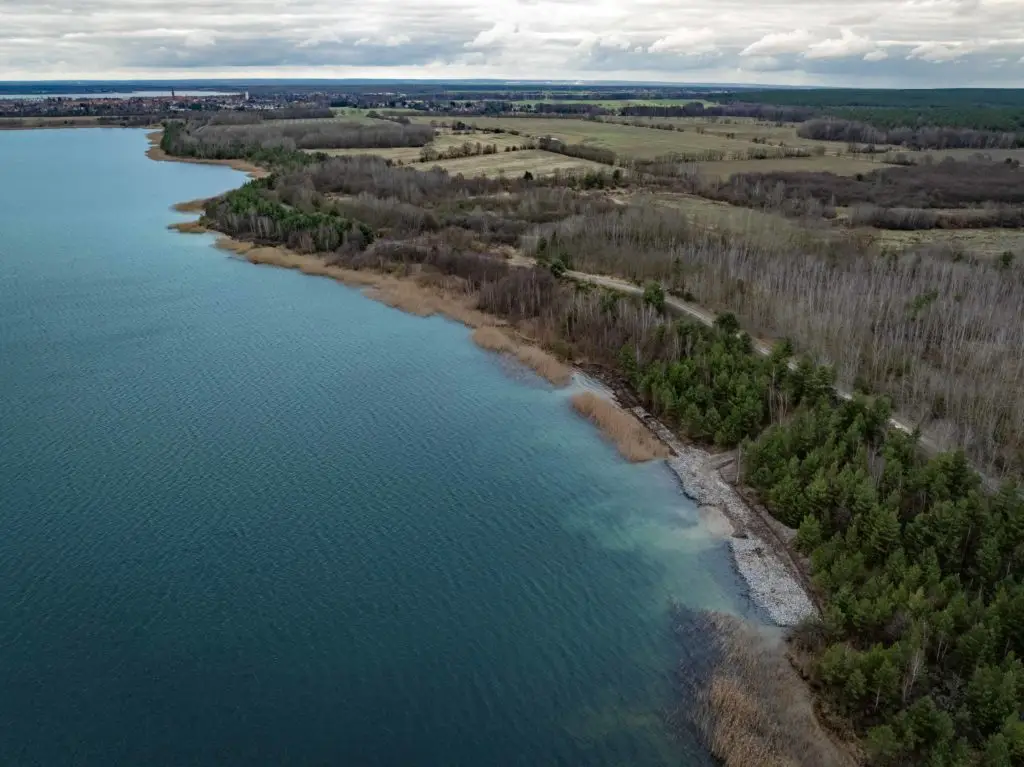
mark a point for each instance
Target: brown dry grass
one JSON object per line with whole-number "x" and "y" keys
{"x": 846, "y": 165}
{"x": 190, "y": 206}
{"x": 538, "y": 360}
{"x": 625, "y": 140}
{"x": 442, "y": 141}
{"x": 536, "y": 161}
{"x": 755, "y": 709}
{"x": 987, "y": 242}
{"x": 189, "y": 227}
{"x": 631, "y": 437}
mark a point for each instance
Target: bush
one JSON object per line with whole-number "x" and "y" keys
{"x": 654, "y": 296}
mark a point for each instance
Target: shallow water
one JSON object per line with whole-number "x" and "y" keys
{"x": 248, "y": 516}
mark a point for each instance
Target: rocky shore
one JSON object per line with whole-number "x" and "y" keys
{"x": 758, "y": 548}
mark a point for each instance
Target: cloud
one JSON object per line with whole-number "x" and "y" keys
{"x": 389, "y": 41}
{"x": 201, "y": 38}
{"x": 938, "y": 53}
{"x": 499, "y": 33}
{"x": 775, "y": 43}
{"x": 686, "y": 42}
{"x": 847, "y": 44}
{"x": 800, "y": 42}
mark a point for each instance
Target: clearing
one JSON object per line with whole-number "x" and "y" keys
{"x": 846, "y": 165}
{"x": 536, "y": 161}
{"x": 625, "y": 140}
{"x": 443, "y": 142}
{"x": 985, "y": 242}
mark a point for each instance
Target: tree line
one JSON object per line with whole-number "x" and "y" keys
{"x": 966, "y": 184}
{"x": 912, "y": 136}
{"x": 232, "y": 141}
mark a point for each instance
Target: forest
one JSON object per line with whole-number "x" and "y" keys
{"x": 914, "y": 135}
{"x": 272, "y": 141}
{"x": 917, "y": 556}
{"x": 946, "y": 184}
{"x": 999, "y": 110}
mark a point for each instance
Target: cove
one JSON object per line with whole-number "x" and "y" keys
{"x": 253, "y": 517}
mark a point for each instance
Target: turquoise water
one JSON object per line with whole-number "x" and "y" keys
{"x": 252, "y": 517}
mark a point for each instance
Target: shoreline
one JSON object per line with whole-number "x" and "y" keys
{"x": 159, "y": 155}
{"x": 759, "y": 544}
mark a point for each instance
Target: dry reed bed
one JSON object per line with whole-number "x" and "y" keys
{"x": 754, "y": 709}
{"x": 632, "y": 438}
{"x": 496, "y": 340}
{"x": 190, "y": 206}
{"x": 189, "y": 227}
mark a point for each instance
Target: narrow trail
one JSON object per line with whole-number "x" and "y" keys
{"x": 708, "y": 318}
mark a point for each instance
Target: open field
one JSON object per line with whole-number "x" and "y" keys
{"x": 846, "y": 165}
{"x": 631, "y": 141}
{"x": 742, "y": 128}
{"x": 745, "y": 129}
{"x": 721, "y": 215}
{"x": 625, "y": 140}
{"x": 537, "y": 162}
{"x": 999, "y": 155}
{"x": 360, "y": 115}
{"x": 443, "y": 141}
{"x": 982, "y": 242}
{"x": 404, "y": 154}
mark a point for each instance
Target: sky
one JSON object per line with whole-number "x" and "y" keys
{"x": 869, "y": 43}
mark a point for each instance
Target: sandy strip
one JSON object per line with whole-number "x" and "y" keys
{"x": 156, "y": 153}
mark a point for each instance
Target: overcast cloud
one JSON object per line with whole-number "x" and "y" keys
{"x": 917, "y": 43}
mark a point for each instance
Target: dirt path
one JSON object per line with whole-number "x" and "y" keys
{"x": 764, "y": 348}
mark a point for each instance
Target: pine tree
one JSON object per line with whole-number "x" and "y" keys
{"x": 997, "y": 752}
{"x": 883, "y": 530}
{"x": 809, "y": 536}
{"x": 818, "y": 494}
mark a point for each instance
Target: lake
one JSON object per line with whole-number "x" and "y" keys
{"x": 253, "y": 517}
